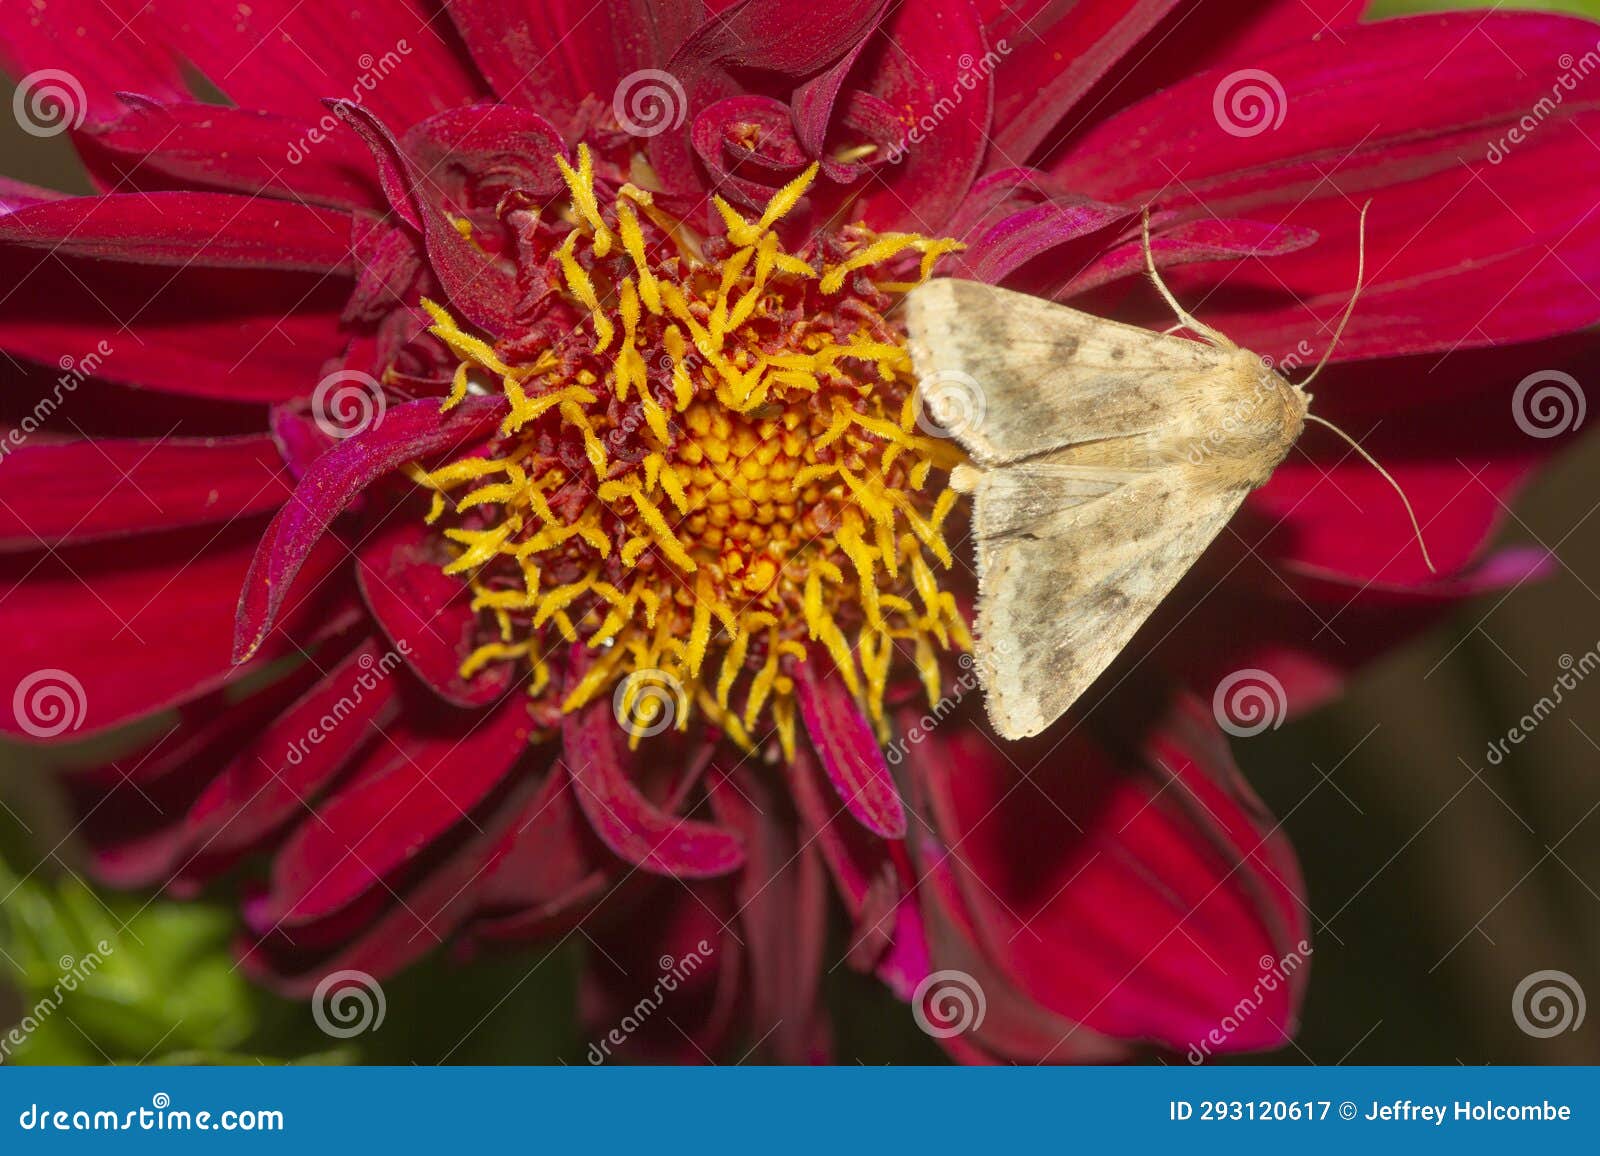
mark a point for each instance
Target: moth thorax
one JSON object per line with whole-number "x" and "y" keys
{"x": 1255, "y": 421}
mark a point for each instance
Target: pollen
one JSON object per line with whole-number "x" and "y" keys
{"x": 710, "y": 468}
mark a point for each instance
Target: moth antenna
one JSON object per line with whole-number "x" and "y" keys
{"x": 1361, "y": 272}
{"x": 1189, "y": 321}
{"x": 1388, "y": 477}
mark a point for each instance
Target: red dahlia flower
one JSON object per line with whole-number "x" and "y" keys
{"x": 534, "y": 371}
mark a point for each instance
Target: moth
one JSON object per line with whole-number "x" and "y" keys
{"x": 1104, "y": 459}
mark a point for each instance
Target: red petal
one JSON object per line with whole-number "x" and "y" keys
{"x": 1426, "y": 155}
{"x": 140, "y": 630}
{"x": 917, "y": 62}
{"x": 243, "y": 150}
{"x": 413, "y": 786}
{"x": 395, "y": 56}
{"x": 1011, "y": 1025}
{"x": 849, "y": 751}
{"x": 874, "y": 878}
{"x": 553, "y": 863}
{"x": 1451, "y": 435}
{"x": 103, "y": 46}
{"x": 418, "y": 920}
{"x": 551, "y": 56}
{"x": 86, "y": 490}
{"x": 426, "y": 613}
{"x": 782, "y": 913}
{"x": 1310, "y": 633}
{"x": 216, "y": 230}
{"x": 133, "y": 806}
{"x": 201, "y": 332}
{"x": 1143, "y": 901}
{"x": 1054, "y": 53}
{"x": 336, "y": 479}
{"x": 1018, "y": 238}
{"x": 284, "y": 766}
{"x": 629, "y": 823}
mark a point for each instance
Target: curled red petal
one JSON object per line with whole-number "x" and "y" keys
{"x": 426, "y": 613}
{"x": 336, "y": 479}
{"x": 628, "y": 822}
{"x": 849, "y": 751}
{"x": 400, "y": 928}
{"x": 476, "y": 284}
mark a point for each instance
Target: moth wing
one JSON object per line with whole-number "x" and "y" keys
{"x": 1023, "y": 376}
{"x": 1073, "y": 559}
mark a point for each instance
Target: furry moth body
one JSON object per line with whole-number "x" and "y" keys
{"x": 1105, "y": 459}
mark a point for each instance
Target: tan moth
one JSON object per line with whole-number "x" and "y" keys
{"x": 1104, "y": 460}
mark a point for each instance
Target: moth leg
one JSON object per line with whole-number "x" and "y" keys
{"x": 1186, "y": 320}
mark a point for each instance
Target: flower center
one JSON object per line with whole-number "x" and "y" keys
{"x": 711, "y": 464}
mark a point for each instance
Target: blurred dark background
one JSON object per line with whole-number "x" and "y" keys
{"x": 1437, "y": 882}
